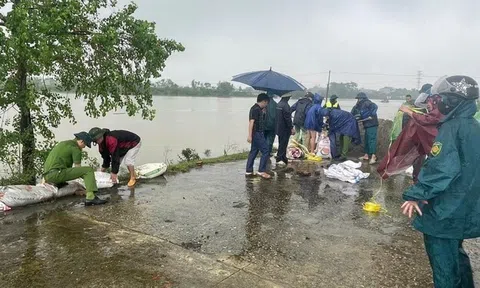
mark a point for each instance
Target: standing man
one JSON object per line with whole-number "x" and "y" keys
{"x": 256, "y": 128}
{"x": 332, "y": 103}
{"x": 284, "y": 129}
{"x": 300, "y": 108}
{"x": 271, "y": 123}
{"x": 365, "y": 111}
{"x": 408, "y": 103}
{"x": 58, "y": 166}
{"x": 115, "y": 147}
{"x": 446, "y": 196}
{"x": 408, "y": 100}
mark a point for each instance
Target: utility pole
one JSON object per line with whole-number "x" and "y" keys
{"x": 419, "y": 79}
{"x": 328, "y": 84}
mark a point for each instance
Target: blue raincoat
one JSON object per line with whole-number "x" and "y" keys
{"x": 313, "y": 120}
{"x": 343, "y": 123}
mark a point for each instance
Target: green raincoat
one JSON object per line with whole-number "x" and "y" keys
{"x": 450, "y": 179}
{"x": 450, "y": 182}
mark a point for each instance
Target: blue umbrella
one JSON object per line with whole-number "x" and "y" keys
{"x": 270, "y": 81}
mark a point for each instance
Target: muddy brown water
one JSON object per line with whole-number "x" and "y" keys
{"x": 201, "y": 123}
{"x": 213, "y": 227}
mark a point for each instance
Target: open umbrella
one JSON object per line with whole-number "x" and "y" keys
{"x": 269, "y": 81}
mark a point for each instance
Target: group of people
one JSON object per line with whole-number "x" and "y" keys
{"x": 64, "y": 162}
{"x": 440, "y": 138}
{"x": 268, "y": 119}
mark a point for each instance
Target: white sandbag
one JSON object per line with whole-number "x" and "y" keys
{"x": 409, "y": 171}
{"x": 4, "y": 207}
{"x": 22, "y": 195}
{"x": 103, "y": 180}
{"x": 150, "y": 170}
{"x": 294, "y": 153}
{"x": 70, "y": 189}
{"x": 346, "y": 171}
{"x": 323, "y": 147}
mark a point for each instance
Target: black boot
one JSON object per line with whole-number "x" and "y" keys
{"x": 95, "y": 201}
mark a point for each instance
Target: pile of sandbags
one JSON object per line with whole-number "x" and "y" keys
{"x": 22, "y": 195}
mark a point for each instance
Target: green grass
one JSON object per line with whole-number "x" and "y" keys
{"x": 186, "y": 166}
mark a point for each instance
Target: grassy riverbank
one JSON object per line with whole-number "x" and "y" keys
{"x": 186, "y": 166}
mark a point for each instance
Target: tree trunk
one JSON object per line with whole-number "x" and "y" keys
{"x": 26, "y": 128}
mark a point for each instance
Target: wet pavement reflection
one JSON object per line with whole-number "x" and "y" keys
{"x": 214, "y": 227}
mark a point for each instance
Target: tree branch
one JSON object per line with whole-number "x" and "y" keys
{"x": 3, "y": 20}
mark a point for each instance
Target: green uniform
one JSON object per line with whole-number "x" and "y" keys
{"x": 302, "y": 136}
{"x": 344, "y": 145}
{"x": 449, "y": 181}
{"x": 58, "y": 167}
{"x": 370, "y": 147}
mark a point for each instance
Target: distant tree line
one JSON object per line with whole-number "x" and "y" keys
{"x": 349, "y": 90}
{"x": 167, "y": 87}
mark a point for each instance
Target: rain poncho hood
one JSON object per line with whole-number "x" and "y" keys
{"x": 343, "y": 123}
{"x": 449, "y": 179}
{"x": 313, "y": 119}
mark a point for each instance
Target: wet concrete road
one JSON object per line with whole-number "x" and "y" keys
{"x": 215, "y": 228}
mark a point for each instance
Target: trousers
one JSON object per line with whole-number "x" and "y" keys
{"x": 270, "y": 138}
{"x": 259, "y": 144}
{"x": 450, "y": 264}
{"x": 283, "y": 139}
{"x": 64, "y": 175}
{"x": 302, "y": 136}
{"x": 371, "y": 140}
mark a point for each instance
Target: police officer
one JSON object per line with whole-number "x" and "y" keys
{"x": 446, "y": 196}
{"x": 332, "y": 103}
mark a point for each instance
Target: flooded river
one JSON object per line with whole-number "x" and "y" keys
{"x": 200, "y": 123}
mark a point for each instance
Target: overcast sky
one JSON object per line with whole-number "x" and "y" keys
{"x": 305, "y": 38}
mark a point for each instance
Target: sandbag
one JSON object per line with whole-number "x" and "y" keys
{"x": 294, "y": 153}
{"x": 68, "y": 190}
{"x": 22, "y": 195}
{"x": 409, "y": 171}
{"x": 102, "y": 178}
{"x": 323, "y": 146}
{"x": 4, "y": 207}
{"x": 346, "y": 171}
{"x": 150, "y": 170}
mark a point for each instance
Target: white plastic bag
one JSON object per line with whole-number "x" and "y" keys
{"x": 22, "y": 195}
{"x": 150, "y": 170}
{"x": 102, "y": 178}
{"x": 409, "y": 171}
{"x": 346, "y": 171}
{"x": 323, "y": 146}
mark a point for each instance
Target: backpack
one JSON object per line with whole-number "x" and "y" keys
{"x": 301, "y": 111}
{"x": 270, "y": 119}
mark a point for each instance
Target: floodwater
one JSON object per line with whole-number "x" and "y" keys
{"x": 213, "y": 227}
{"x": 201, "y": 123}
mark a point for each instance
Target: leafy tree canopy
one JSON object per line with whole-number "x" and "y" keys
{"x": 107, "y": 61}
